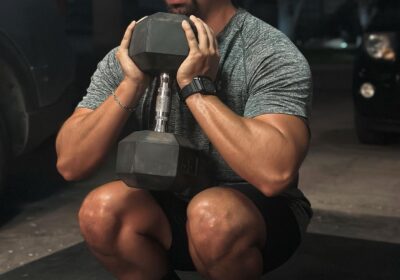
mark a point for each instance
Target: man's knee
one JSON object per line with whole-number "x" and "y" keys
{"x": 222, "y": 221}
{"x": 105, "y": 211}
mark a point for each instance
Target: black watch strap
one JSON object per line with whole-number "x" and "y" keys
{"x": 199, "y": 84}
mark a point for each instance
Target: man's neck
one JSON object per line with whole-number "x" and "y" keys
{"x": 218, "y": 16}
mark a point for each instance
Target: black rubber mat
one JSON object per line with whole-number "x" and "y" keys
{"x": 320, "y": 257}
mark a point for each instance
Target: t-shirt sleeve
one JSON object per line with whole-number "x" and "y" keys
{"x": 280, "y": 83}
{"x": 104, "y": 81}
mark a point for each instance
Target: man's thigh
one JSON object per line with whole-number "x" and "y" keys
{"x": 282, "y": 230}
{"x": 283, "y": 235}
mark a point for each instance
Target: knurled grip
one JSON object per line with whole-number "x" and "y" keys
{"x": 163, "y": 103}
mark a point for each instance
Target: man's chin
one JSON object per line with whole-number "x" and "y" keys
{"x": 179, "y": 10}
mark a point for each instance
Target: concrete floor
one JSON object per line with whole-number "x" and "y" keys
{"x": 354, "y": 189}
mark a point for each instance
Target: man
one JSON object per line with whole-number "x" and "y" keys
{"x": 255, "y": 131}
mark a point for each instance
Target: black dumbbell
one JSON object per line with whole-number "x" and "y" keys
{"x": 159, "y": 43}
{"x": 158, "y": 160}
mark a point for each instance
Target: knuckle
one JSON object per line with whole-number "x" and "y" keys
{"x": 210, "y": 53}
{"x": 191, "y": 36}
{"x": 197, "y": 55}
{"x": 192, "y": 54}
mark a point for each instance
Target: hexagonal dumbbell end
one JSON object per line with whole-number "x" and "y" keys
{"x": 160, "y": 161}
{"x": 159, "y": 43}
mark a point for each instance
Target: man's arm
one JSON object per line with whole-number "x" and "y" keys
{"x": 86, "y": 137}
{"x": 267, "y": 150}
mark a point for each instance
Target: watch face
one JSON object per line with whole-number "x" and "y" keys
{"x": 200, "y": 84}
{"x": 207, "y": 85}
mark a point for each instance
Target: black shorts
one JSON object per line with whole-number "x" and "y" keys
{"x": 283, "y": 235}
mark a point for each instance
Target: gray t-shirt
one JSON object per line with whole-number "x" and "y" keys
{"x": 260, "y": 72}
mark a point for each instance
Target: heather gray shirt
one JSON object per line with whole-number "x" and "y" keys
{"x": 260, "y": 72}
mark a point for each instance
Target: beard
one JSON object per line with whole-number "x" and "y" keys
{"x": 184, "y": 9}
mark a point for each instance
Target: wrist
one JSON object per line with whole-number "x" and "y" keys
{"x": 127, "y": 94}
{"x": 183, "y": 83}
{"x": 199, "y": 85}
{"x": 192, "y": 98}
{"x": 199, "y": 100}
{"x": 133, "y": 85}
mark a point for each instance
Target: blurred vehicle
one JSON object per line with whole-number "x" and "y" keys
{"x": 376, "y": 87}
{"x": 37, "y": 69}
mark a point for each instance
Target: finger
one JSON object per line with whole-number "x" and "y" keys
{"x": 191, "y": 38}
{"x": 141, "y": 19}
{"x": 201, "y": 33}
{"x": 211, "y": 38}
{"x": 214, "y": 41}
{"x": 127, "y": 36}
{"x": 216, "y": 47}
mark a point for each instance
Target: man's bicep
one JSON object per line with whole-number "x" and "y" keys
{"x": 293, "y": 128}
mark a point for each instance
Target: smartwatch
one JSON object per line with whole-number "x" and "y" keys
{"x": 199, "y": 84}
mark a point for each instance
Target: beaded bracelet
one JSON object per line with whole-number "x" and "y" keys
{"x": 126, "y": 108}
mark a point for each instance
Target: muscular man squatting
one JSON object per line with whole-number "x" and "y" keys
{"x": 255, "y": 131}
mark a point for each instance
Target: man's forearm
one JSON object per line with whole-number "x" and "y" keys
{"x": 257, "y": 151}
{"x": 87, "y": 136}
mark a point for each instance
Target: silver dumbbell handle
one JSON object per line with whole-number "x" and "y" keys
{"x": 163, "y": 103}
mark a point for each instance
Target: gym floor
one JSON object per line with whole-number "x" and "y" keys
{"x": 354, "y": 189}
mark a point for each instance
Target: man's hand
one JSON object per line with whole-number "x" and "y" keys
{"x": 203, "y": 58}
{"x": 133, "y": 75}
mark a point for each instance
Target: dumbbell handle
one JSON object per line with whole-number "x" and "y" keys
{"x": 163, "y": 103}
